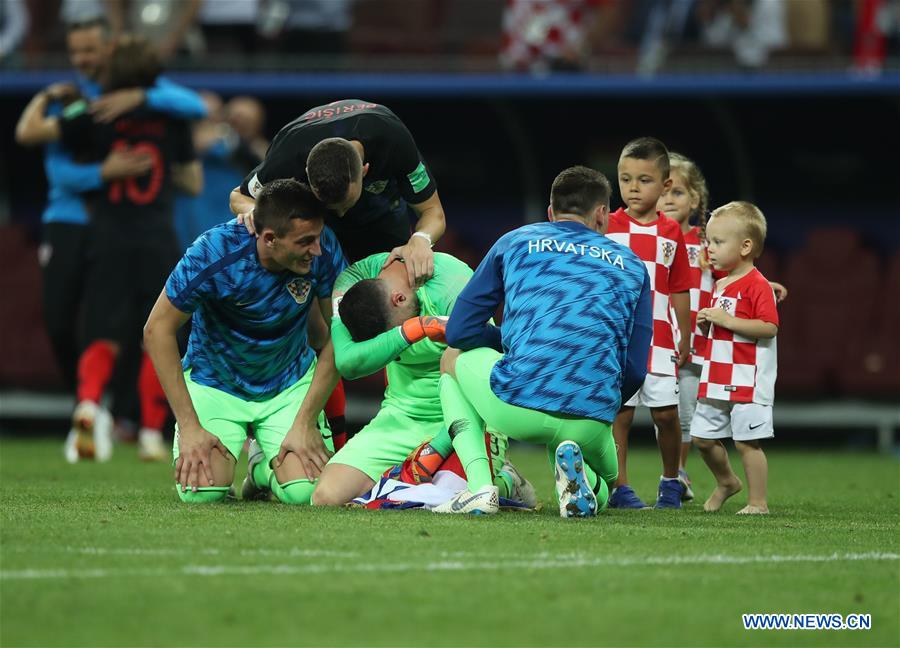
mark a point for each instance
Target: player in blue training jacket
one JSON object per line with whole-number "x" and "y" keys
{"x": 574, "y": 340}
{"x": 249, "y": 361}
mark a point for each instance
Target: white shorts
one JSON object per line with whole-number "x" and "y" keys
{"x": 718, "y": 419}
{"x": 657, "y": 391}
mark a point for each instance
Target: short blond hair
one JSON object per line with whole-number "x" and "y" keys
{"x": 751, "y": 218}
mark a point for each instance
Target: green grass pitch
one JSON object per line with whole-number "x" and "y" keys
{"x": 105, "y": 555}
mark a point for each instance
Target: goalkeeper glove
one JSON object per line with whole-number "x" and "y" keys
{"x": 419, "y": 328}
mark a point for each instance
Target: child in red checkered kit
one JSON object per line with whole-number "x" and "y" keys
{"x": 643, "y": 172}
{"x": 686, "y": 202}
{"x": 737, "y": 384}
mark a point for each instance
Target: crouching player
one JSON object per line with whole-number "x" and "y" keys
{"x": 248, "y": 360}
{"x": 737, "y": 384}
{"x": 382, "y": 322}
{"x": 574, "y": 340}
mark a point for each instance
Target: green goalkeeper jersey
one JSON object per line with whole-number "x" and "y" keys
{"x": 413, "y": 370}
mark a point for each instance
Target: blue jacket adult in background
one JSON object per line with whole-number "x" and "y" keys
{"x": 64, "y": 250}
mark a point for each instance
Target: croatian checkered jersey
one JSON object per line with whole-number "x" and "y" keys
{"x": 537, "y": 33}
{"x": 660, "y": 245}
{"x": 702, "y": 282}
{"x": 248, "y": 328}
{"x": 737, "y": 368}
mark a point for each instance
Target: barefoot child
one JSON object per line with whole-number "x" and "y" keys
{"x": 737, "y": 383}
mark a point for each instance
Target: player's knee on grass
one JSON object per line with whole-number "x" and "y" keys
{"x": 203, "y": 495}
{"x": 340, "y": 483}
{"x": 298, "y": 492}
{"x": 326, "y": 495}
{"x": 290, "y": 470}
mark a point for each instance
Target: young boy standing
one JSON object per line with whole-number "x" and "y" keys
{"x": 737, "y": 385}
{"x": 643, "y": 177}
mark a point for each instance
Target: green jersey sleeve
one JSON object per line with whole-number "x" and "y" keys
{"x": 357, "y": 359}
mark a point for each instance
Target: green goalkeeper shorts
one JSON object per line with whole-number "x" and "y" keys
{"x": 228, "y": 417}
{"x": 473, "y": 373}
{"x": 386, "y": 441}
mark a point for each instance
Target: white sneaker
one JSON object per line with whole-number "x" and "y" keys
{"x": 93, "y": 426}
{"x": 522, "y": 490}
{"x": 685, "y": 481}
{"x": 485, "y": 502}
{"x": 249, "y": 489}
{"x": 103, "y": 434}
{"x": 151, "y": 446}
{"x": 70, "y": 448}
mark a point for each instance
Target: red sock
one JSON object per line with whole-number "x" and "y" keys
{"x": 154, "y": 407}
{"x": 95, "y": 367}
{"x": 335, "y": 410}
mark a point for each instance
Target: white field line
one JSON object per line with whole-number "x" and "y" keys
{"x": 294, "y": 552}
{"x": 539, "y": 562}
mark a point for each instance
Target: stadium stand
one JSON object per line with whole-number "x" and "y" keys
{"x": 817, "y": 324}
{"x": 871, "y": 360}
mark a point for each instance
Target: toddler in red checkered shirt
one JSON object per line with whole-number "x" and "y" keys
{"x": 737, "y": 383}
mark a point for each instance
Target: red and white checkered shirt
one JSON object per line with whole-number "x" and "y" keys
{"x": 702, "y": 283}
{"x": 737, "y": 368}
{"x": 537, "y": 33}
{"x": 660, "y": 245}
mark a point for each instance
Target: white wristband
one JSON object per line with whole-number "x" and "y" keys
{"x": 426, "y": 236}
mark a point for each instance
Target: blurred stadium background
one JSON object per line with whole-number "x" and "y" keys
{"x": 793, "y": 104}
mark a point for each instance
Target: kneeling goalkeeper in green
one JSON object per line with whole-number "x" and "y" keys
{"x": 249, "y": 362}
{"x": 382, "y": 322}
{"x": 574, "y": 341}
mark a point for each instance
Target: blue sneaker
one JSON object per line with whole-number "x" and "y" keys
{"x": 670, "y": 493}
{"x": 685, "y": 480}
{"x": 624, "y": 497}
{"x": 576, "y": 498}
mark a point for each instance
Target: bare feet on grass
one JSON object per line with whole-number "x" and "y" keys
{"x": 754, "y": 510}
{"x": 722, "y": 493}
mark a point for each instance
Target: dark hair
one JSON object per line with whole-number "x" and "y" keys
{"x": 578, "y": 190}
{"x": 89, "y": 23}
{"x": 649, "y": 148}
{"x": 133, "y": 63}
{"x": 280, "y": 201}
{"x": 331, "y": 166}
{"x": 364, "y": 309}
